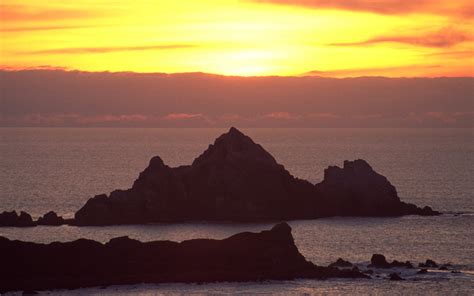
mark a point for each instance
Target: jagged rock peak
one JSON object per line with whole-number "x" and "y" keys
{"x": 155, "y": 165}
{"x": 282, "y": 228}
{"x": 354, "y": 167}
{"x": 156, "y": 161}
{"x": 357, "y": 164}
{"x": 235, "y": 146}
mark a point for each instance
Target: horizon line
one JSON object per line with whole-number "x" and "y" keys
{"x": 68, "y": 70}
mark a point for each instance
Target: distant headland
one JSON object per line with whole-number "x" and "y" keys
{"x": 236, "y": 179}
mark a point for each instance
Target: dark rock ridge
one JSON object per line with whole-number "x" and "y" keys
{"x": 235, "y": 179}
{"x": 246, "y": 256}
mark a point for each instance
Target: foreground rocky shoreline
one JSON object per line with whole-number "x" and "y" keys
{"x": 236, "y": 179}
{"x": 268, "y": 255}
{"x": 246, "y": 256}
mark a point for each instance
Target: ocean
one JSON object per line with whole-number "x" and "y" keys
{"x": 58, "y": 169}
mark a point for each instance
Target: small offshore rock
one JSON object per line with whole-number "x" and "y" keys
{"x": 378, "y": 260}
{"x": 422, "y": 271}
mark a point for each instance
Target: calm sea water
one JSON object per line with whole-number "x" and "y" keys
{"x": 60, "y": 168}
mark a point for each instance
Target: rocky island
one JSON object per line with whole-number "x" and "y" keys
{"x": 236, "y": 179}
{"x": 246, "y": 256}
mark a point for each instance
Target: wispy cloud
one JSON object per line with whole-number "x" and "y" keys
{"x": 280, "y": 115}
{"x": 14, "y": 13}
{"x": 446, "y": 118}
{"x": 43, "y": 28}
{"x": 375, "y": 71}
{"x": 445, "y": 37}
{"x": 325, "y": 115}
{"x": 462, "y": 8}
{"x": 128, "y": 118}
{"x": 82, "y": 50}
{"x": 454, "y": 54}
{"x": 39, "y": 67}
{"x": 181, "y": 116}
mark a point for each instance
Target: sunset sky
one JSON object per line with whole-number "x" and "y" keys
{"x": 335, "y": 38}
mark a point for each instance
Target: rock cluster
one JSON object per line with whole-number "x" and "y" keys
{"x": 246, "y": 256}
{"x": 12, "y": 219}
{"x": 379, "y": 261}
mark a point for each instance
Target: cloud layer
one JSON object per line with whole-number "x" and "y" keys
{"x": 62, "y": 98}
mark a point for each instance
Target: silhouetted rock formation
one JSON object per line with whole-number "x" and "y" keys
{"x": 51, "y": 219}
{"x": 236, "y": 179}
{"x": 245, "y": 256}
{"x": 14, "y": 220}
{"x": 379, "y": 261}
{"x": 357, "y": 190}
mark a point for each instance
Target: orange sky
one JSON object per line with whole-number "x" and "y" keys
{"x": 250, "y": 37}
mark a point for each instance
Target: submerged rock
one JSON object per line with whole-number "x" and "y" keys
{"x": 236, "y": 179}
{"x": 395, "y": 277}
{"x": 246, "y": 256}
{"x": 445, "y": 266}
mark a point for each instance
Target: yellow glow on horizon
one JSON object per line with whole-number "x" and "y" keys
{"x": 232, "y": 38}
